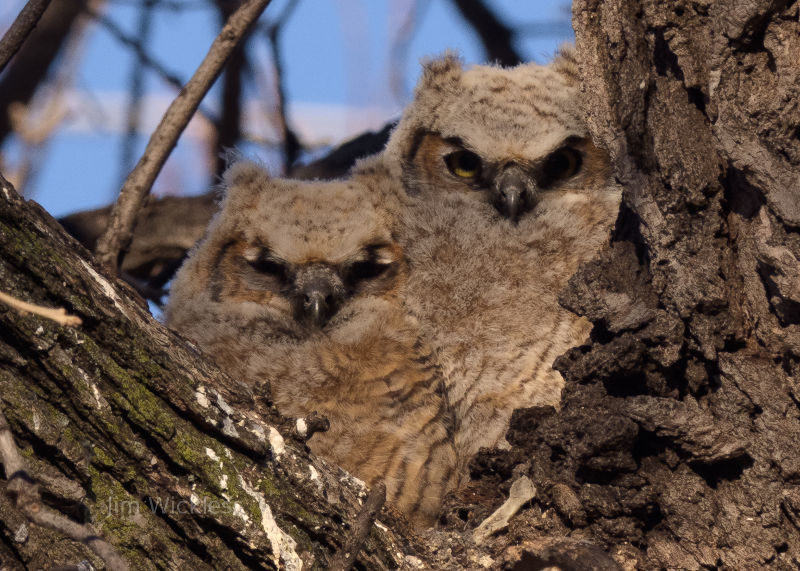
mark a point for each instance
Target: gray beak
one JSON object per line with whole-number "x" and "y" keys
{"x": 514, "y": 193}
{"x": 319, "y": 295}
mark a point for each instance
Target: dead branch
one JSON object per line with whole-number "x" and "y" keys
{"x": 229, "y": 128}
{"x": 28, "y": 500}
{"x": 59, "y": 315}
{"x": 117, "y": 236}
{"x": 291, "y": 144}
{"x": 30, "y": 66}
{"x": 497, "y": 38}
{"x": 23, "y": 25}
{"x": 346, "y": 556}
{"x": 145, "y": 59}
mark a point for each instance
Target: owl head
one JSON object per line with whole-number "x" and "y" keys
{"x": 294, "y": 253}
{"x": 505, "y": 136}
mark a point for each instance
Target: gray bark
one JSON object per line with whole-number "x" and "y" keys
{"x": 126, "y": 427}
{"x": 676, "y": 443}
{"x": 676, "y": 446}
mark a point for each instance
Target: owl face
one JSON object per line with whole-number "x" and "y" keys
{"x": 315, "y": 288}
{"x": 509, "y": 137}
{"x": 298, "y": 251}
{"x": 514, "y": 185}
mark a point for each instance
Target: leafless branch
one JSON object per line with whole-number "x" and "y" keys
{"x": 30, "y": 66}
{"x": 399, "y": 48}
{"x": 496, "y": 36}
{"x": 291, "y": 144}
{"x": 118, "y": 235}
{"x": 20, "y": 29}
{"x": 58, "y": 315}
{"x": 136, "y": 91}
{"x": 346, "y": 556}
{"x": 229, "y": 128}
{"x": 29, "y": 502}
{"x": 145, "y": 59}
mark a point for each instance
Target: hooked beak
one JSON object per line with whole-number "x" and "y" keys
{"x": 514, "y": 193}
{"x": 319, "y": 296}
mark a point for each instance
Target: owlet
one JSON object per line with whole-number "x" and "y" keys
{"x": 507, "y": 195}
{"x": 297, "y": 284}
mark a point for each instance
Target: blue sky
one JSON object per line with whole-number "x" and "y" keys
{"x": 340, "y": 78}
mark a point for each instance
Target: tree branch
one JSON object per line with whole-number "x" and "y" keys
{"x": 497, "y": 38}
{"x": 23, "y": 76}
{"x": 118, "y": 235}
{"x": 29, "y": 501}
{"x": 229, "y": 128}
{"x": 20, "y": 29}
{"x": 58, "y": 315}
{"x": 291, "y": 144}
{"x": 136, "y": 92}
{"x": 145, "y": 59}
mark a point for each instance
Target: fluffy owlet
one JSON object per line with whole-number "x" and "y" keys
{"x": 297, "y": 284}
{"x": 507, "y": 195}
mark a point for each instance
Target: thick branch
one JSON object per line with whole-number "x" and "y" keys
{"x": 125, "y": 425}
{"x": 29, "y": 501}
{"x": 123, "y": 216}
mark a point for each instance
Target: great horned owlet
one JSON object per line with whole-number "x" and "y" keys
{"x": 297, "y": 284}
{"x": 507, "y": 195}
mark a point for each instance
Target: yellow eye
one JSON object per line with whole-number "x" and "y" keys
{"x": 463, "y": 164}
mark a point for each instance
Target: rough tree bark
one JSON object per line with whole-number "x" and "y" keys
{"x": 677, "y": 443}
{"x": 127, "y": 427}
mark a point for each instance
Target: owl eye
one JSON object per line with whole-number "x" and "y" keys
{"x": 562, "y": 164}
{"x": 261, "y": 260}
{"x": 366, "y": 270}
{"x": 463, "y": 164}
{"x": 376, "y": 262}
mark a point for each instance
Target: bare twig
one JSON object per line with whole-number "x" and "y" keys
{"x": 59, "y": 315}
{"x": 29, "y": 502}
{"x": 399, "y": 48}
{"x": 118, "y": 235}
{"x": 24, "y": 74}
{"x": 229, "y": 128}
{"x": 522, "y": 491}
{"x": 20, "y": 29}
{"x": 291, "y": 144}
{"x": 497, "y": 38}
{"x": 136, "y": 91}
{"x": 144, "y": 58}
{"x": 345, "y": 557}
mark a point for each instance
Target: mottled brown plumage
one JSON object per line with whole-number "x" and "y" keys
{"x": 507, "y": 195}
{"x": 297, "y": 284}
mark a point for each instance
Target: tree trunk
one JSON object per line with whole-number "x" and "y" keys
{"x": 126, "y": 427}
{"x": 677, "y": 443}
